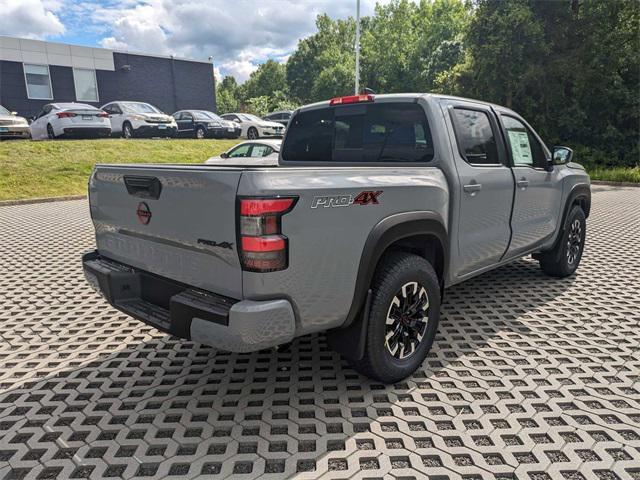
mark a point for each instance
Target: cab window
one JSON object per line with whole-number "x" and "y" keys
{"x": 523, "y": 145}
{"x": 475, "y": 135}
{"x": 366, "y": 132}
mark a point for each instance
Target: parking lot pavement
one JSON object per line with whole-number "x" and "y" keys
{"x": 530, "y": 377}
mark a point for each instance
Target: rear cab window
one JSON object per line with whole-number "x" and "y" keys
{"x": 475, "y": 136}
{"x": 385, "y": 132}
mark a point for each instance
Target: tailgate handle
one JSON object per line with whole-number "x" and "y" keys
{"x": 143, "y": 187}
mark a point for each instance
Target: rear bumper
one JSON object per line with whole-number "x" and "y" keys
{"x": 86, "y": 131}
{"x": 203, "y": 317}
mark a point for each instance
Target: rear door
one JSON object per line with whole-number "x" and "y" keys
{"x": 171, "y": 220}
{"x": 185, "y": 124}
{"x": 538, "y": 193}
{"x": 486, "y": 187}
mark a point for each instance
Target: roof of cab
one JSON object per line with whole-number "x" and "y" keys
{"x": 404, "y": 96}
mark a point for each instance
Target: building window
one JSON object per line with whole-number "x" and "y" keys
{"x": 38, "y": 82}
{"x": 86, "y": 85}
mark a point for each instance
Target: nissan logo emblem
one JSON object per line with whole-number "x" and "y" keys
{"x": 144, "y": 213}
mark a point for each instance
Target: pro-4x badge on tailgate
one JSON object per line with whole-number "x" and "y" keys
{"x": 363, "y": 198}
{"x": 144, "y": 213}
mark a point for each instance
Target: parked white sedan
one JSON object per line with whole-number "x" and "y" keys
{"x": 70, "y": 120}
{"x": 255, "y": 127}
{"x": 256, "y": 152}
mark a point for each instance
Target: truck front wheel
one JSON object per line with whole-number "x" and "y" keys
{"x": 563, "y": 259}
{"x": 403, "y": 318}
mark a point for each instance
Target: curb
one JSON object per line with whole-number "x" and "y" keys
{"x": 615, "y": 184}
{"x": 27, "y": 201}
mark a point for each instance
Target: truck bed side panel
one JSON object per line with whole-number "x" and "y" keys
{"x": 326, "y": 242}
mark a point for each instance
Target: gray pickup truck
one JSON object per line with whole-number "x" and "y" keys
{"x": 376, "y": 204}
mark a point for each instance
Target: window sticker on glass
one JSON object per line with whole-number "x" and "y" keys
{"x": 520, "y": 148}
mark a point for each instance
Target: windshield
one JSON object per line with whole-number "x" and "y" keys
{"x": 140, "y": 107}
{"x": 371, "y": 132}
{"x": 206, "y": 115}
{"x": 249, "y": 117}
{"x": 4, "y": 111}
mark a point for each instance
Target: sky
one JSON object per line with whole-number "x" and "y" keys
{"x": 238, "y": 34}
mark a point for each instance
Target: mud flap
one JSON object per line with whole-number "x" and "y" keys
{"x": 350, "y": 342}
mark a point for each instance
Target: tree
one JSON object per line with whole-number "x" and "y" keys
{"x": 227, "y": 95}
{"x": 269, "y": 78}
{"x": 328, "y": 50}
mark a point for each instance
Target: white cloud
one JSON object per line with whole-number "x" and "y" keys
{"x": 240, "y": 69}
{"x": 238, "y": 34}
{"x": 30, "y": 18}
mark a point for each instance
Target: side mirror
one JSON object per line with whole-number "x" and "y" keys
{"x": 14, "y": 113}
{"x": 562, "y": 155}
{"x": 223, "y": 155}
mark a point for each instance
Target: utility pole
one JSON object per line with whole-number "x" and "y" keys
{"x": 357, "y": 90}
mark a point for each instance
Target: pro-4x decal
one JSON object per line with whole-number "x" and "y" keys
{"x": 368, "y": 197}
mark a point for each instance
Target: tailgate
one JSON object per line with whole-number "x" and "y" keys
{"x": 175, "y": 221}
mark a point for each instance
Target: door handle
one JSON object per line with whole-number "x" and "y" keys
{"x": 472, "y": 188}
{"x": 522, "y": 183}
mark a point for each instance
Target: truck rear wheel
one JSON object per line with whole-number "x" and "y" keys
{"x": 564, "y": 258}
{"x": 403, "y": 318}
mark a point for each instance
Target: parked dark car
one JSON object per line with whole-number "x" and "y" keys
{"x": 204, "y": 124}
{"x": 282, "y": 117}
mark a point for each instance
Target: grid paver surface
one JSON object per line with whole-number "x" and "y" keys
{"x": 530, "y": 377}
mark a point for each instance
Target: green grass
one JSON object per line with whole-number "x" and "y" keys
{"x": 30, "y": 169}
{"x": 59, "y": 168}
{"x": 615, "y": 174}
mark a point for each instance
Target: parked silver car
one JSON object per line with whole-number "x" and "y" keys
{"x": 255, "y": 152}
{"x": 12, "y": 126}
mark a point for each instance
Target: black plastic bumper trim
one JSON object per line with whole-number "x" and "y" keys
{"x": 124, "y": 286}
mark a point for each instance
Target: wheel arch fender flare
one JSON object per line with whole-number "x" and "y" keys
{"x": 580, "y": 193}
{"x": 350, "y": 337}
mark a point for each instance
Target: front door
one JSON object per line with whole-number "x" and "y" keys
{"x": 486, "y": 188}
{"x": 116, "y": 118}
{"x": 536, "y": 207}
{"x": 39, "y": 125}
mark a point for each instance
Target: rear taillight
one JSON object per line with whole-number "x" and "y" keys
{"x": 65, "y": 114}
{"x": 103, "y": 115}
{"x": 263, "y": 248}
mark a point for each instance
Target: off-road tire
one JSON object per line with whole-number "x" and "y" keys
{"x": 395, "y": 270}
{"x": 561, "y": 261}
